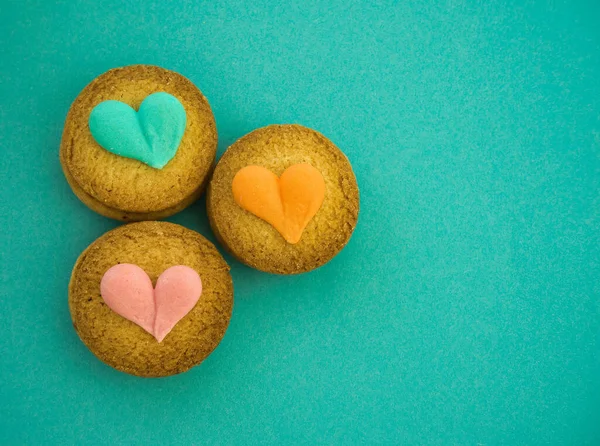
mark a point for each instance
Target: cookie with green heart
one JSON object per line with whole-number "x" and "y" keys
{"x": 151, "y": 298}
{"x": 283, "y": 199}
{"x": 139, "y": 143}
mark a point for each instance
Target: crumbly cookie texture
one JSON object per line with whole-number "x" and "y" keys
{"x": 124, "y": 188}
{"x": 154, "y": 246}
{"x": 254, "y": 241}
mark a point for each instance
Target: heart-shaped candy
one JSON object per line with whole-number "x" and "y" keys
{"x": 151, "y": 135}
{"x": 288, "y": 203}
{"x": 128, "y": 291}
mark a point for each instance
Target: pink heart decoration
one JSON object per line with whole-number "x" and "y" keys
{"x": 128, "y": 291}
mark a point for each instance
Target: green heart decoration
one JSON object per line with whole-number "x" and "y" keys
{"x": 151, "y": 135}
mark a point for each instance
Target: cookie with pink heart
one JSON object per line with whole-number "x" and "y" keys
{"x": 151, "y": 298}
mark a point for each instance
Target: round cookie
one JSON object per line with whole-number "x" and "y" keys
{"x": 124, "y": 188}
{"x": 154, "y": 247}
{"x": 271, "y": 151}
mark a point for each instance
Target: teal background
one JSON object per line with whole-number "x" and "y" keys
{"x": 464, "y": 311}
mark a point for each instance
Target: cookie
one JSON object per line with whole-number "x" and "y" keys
{"x": 151, "y": 298}
{"x": 139, "y": 143}
{"x": 283, "y": 199}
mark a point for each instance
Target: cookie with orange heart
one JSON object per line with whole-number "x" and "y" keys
{"x": 139, "y": 143}
{"x": 151, "y": 299}
{"x": 283, "y": 199}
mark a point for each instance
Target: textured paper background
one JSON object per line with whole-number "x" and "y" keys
{"x": 465, "y": 309}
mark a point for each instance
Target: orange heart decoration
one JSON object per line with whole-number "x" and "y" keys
{"x": 287, "y": 203}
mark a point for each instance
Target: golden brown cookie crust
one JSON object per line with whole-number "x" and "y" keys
{"x": 254, "y": 241}
{"x": 154, "y": 246}
{"x": 124, "y": 188}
